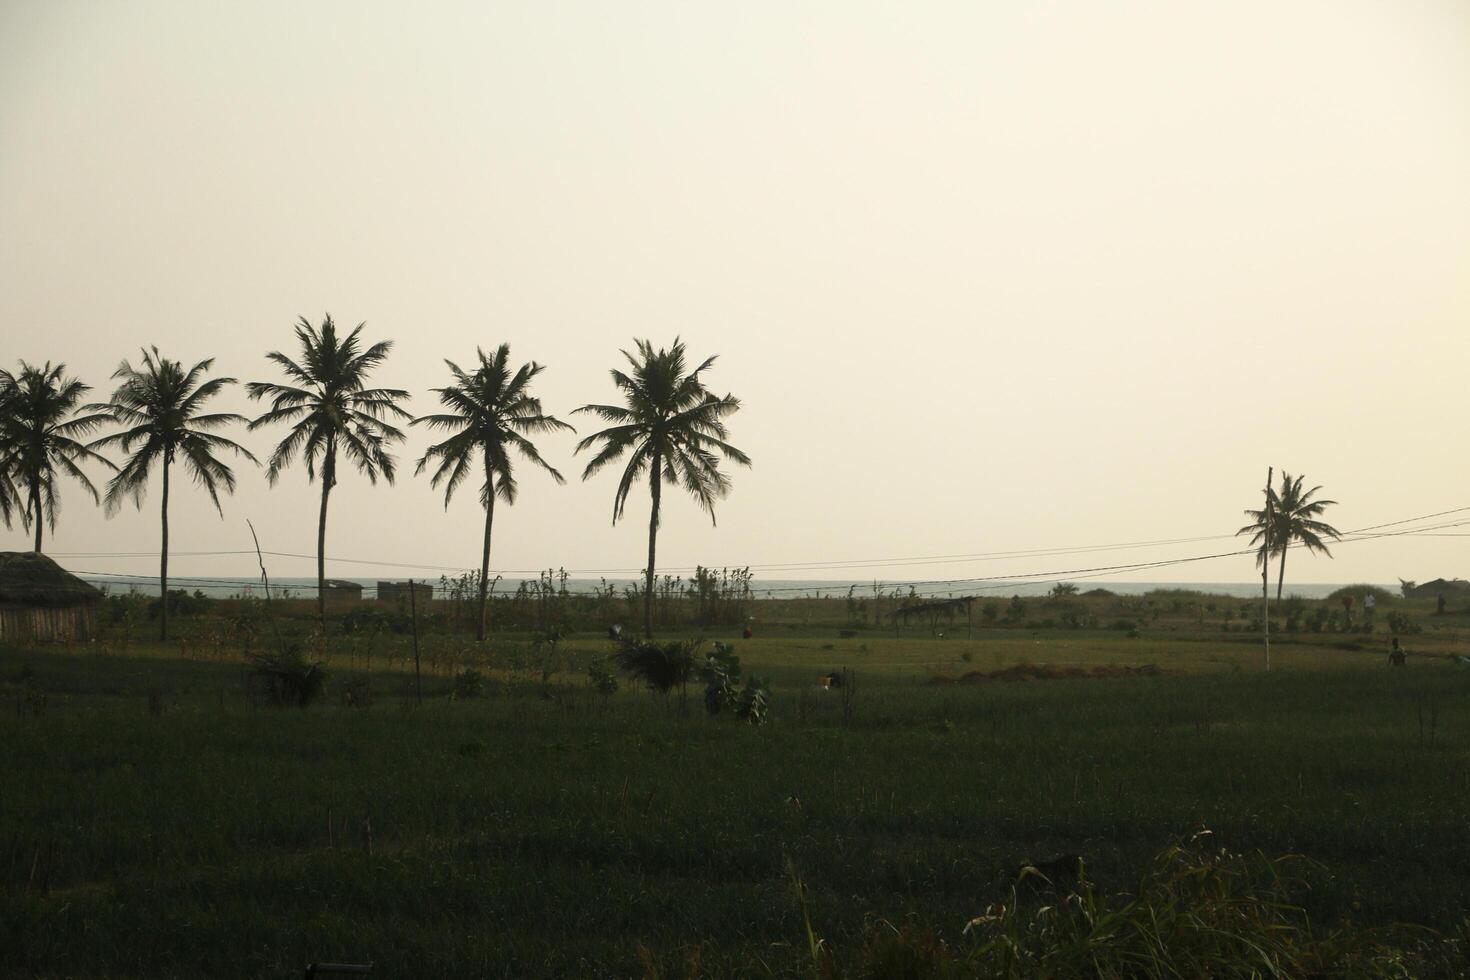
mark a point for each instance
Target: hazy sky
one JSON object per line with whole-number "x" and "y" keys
{"x": 988, "y": 277}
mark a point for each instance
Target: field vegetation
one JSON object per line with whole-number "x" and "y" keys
{"x": 524, "y": 807}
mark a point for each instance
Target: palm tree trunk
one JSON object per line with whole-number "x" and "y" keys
{"x": 485, "y": 558}
{"x": 656, "y": 482}
{"x": 163, "y": 561}
{"x": 36, "y": 511}
{"x": 1281, "y": 572}
{"x": 329, "y": 477}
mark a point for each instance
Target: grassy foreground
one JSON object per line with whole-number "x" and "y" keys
{"x": 155, "y": 823}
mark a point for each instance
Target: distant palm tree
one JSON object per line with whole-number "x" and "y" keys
{"x": 1292, "y": 515}
{"x": 38, "y": 438}
{"x": 492, "y": 410}
{"x": 329, "y": 407}
{"x": 673, "y": 429}
{"x": 158, "y": 404}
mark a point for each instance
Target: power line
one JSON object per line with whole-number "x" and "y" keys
{"x": 815, "y": 565}
{"x": 995, "y": 582}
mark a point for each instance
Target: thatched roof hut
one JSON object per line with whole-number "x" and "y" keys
{"x": 40, "y": 600}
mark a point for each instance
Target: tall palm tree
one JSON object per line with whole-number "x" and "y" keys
{"x": 159, "y": 403}
{"x": 491, "y": 411}
{"x": 39, "y": 429}
{"x": 672, "y": 429}
{"x": 329, "y": 407}
{"x": 1291, "y": 514}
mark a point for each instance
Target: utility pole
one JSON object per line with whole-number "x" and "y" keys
{"x": 413, "y": 605}
{"x": 1266, "y": 570}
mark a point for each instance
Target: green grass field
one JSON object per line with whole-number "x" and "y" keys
{"x": 155, "y": 823}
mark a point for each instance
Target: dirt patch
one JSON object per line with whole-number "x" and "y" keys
{"x": 1046, "y": 672}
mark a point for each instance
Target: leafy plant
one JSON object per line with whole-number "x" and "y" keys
{"x": 288, "y": 678}
{"x": 659, "y": 666}
{"x": 721, "y": 674}
{"x": 603, "y": 681}
{"x": 754, "y": 704}
{"x": 468, "y": 683}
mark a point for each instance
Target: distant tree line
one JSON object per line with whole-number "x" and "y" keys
{"x": 668, "y": 428}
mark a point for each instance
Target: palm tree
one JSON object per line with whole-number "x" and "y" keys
{"x": 158, "y": 403}
{"x": 1291, "y": 514}
{"x": 328, "y": 408}
{"x": 38, "y": 439}
{"x": 491, "y": 412}
{"x": 673, "y": 429}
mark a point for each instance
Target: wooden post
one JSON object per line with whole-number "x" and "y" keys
{"x": 413, "y": 605}
{"x": 1266, "y": 570}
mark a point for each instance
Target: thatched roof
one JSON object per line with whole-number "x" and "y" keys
{"x": 31, "y": 579}
{"x": 1438, "y": 587}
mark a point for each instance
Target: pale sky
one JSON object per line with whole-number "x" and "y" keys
{"x": 987, "y": 277}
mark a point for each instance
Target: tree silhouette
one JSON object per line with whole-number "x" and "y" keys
{"x": 158, "y": 404}
{"x": 491, "y": 412}
{"x": 39, "y": 431}
{"x": 329, "y": 407}
{"x": 1292, "y": 515}
{"x": 672, "y": 429}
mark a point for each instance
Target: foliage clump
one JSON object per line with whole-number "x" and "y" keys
{"x": 721, "y": 673}
{"x": 1198, "y": 911}
{"x": 468, "y": 683}
{"x": 661, "y": 667}
{"x": 288, "y": 678}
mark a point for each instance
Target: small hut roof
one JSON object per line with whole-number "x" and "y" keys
{"x": 31, "y": 579}
{"x": 342, "y": 583}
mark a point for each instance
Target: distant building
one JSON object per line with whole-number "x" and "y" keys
{"x": 336, "y": 590}
{"x": 41, "y": 601}
{"x": 403, "y": 592}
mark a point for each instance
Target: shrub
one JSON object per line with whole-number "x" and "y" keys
{"x": 1357, "y": 591}
{"x": 660, "y": 666}
{"x": 468, "y": 683}
{"x": 180, "y": 603}
{"x": 754, "y": 703}
{"x": 721, "y": 674}
{"x": 603, "y": 680}
{"x": 287, "y": 679}
{"x": 1198, "y": 911}
{"x": 1399, "y": 624}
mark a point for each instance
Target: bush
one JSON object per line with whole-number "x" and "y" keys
{"x": 370, "y": 619}
{"x": 721, "y": 674}
{"x": 603, "y": 681}
{"x": 660, "y": 666}
{"x": 468, "y": 683}
{"x": 1357, "y": 592}
{"x": 181, "y": 603}
{"x": 754, "y": 703}
{"x": 287, "y": 679}
{"x": 1199, "y": 911}
{"x": 1399, "y": 624}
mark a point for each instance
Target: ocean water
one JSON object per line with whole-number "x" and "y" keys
{"x": 297, "y": 587}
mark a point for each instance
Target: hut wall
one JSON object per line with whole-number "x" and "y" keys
{"x": 19, "y": 624}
